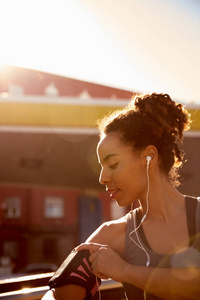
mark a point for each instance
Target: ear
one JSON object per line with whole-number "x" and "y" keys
{"x": 152, "y": 152}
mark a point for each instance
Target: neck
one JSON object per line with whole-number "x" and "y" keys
{"x": 164, "y": 199}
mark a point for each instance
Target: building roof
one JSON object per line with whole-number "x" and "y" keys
{"x": 33, "y": 82}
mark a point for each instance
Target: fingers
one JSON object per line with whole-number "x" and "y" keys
{"x": 100, "y": 275}
{"x": 96, "y": 251}
{"x": 97, "y": 260}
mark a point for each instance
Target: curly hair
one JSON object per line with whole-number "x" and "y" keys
{"x": 152, "y": 120}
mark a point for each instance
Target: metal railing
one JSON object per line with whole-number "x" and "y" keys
{"x": 33, "y": 287}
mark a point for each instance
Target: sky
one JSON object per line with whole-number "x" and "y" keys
{"x": 138, "y": 45}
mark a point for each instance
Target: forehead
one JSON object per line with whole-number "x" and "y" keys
{"x": 110, "y": 138}
{"x": 112, "y": 144}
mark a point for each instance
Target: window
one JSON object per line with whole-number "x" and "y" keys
{"x": 13, "y": 207}
{"x": 11, "y": 248}
{"x": 54, "y": 207}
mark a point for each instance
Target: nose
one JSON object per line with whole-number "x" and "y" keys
{"x": 103, "y": 177}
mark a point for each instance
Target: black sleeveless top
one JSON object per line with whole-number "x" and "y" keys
{"x": 137, "y": 256}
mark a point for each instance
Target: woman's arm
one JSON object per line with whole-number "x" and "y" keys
{"x": 107, "y": 233}
{"x": 179, "y": 283}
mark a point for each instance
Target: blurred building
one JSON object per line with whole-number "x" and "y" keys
{"x": 50, "y": 197}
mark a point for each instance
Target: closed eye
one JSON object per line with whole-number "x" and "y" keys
{"x": 114, "y": 166}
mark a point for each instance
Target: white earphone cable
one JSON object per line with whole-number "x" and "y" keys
{"x": 147, "y": 194}
{"x": 98, "y": 287}
{"x": 139, "y": 244}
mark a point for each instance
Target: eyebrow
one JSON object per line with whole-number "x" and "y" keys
{"x": 106, "y": 158}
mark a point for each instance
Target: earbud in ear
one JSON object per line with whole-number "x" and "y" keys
{"x": 148, "y": 159}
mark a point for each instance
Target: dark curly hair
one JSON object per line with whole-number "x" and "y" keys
{"x": 152, "y": 120}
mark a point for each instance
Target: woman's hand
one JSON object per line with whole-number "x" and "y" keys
{"x": 106, "y": 263}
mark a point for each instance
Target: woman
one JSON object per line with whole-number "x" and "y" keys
{"x": 155, "y": 249}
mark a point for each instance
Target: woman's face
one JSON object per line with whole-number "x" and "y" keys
{"x": 123, "y": 172}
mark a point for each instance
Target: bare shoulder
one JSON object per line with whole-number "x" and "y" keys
{"x": 112, "y": 234}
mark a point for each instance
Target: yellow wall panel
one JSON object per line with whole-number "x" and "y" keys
{"x": 62, "y": 115}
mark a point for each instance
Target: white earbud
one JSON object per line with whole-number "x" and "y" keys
{"x": 148, "y": 159}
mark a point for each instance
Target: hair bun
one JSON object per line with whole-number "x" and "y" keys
{"x": 169, "y": 115}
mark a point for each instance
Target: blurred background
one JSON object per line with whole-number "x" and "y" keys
{"x": 64, "y": 65}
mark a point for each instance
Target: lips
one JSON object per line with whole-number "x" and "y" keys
{"x": 113, "y": 193}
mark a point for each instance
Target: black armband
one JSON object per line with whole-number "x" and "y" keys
{"x": 76, "y": 269}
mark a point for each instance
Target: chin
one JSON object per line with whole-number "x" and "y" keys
{"x": 122, "y": 203}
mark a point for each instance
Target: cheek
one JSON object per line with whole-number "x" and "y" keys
{"x": 135, "y": 176}
{"x": 126, "y": 175}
